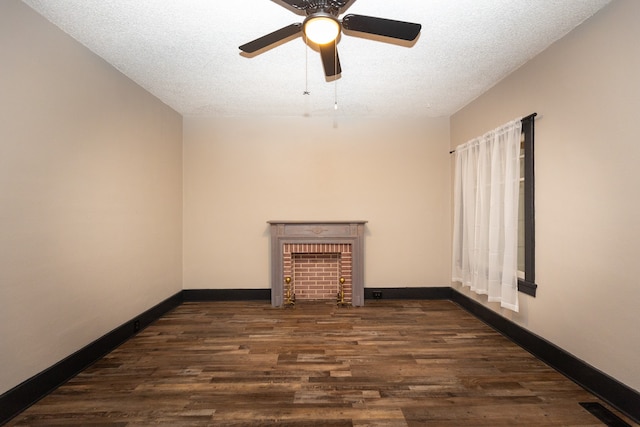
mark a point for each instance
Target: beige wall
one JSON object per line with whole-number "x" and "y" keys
{"x": 241, "y": 173}
{"x": 586, "y": 87}
{"x": 90, "y": 196}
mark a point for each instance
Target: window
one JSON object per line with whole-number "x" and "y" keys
{"x": 526, "y": 226}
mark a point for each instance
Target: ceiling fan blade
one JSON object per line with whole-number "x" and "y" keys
{"x": 330, "y": 59}
{"x": 271, "y": 38}
{"x": 382, "y": 27}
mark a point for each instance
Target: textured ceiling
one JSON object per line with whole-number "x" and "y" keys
{"x": 186, "y": 53}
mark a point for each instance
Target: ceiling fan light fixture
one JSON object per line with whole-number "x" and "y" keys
{"x": 321, "y": 28}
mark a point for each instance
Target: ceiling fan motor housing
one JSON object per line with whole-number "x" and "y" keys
{"x": 311, "y": 7}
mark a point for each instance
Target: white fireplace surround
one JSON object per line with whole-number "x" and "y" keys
{"x": 313, "y": 232}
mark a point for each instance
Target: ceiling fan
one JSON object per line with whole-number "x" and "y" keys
{"x": 321, "y": 27}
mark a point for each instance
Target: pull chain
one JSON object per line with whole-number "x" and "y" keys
{"x": 306, "y": 66}
{"x": 335, "y": 74}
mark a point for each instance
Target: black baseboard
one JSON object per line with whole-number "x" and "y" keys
{"x": 195, "y": 295}
{"x": 623, "y": 398}
{"x": 35, "y": 388}
{"x": 436, "y": 293}
{"x": 618, "y": 395}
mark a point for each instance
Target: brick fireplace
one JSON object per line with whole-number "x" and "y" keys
{"x": 315, "y": 269}
{"x": 315, "y": 256}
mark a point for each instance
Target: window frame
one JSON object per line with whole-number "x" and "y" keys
{"x": 528, "y": 285}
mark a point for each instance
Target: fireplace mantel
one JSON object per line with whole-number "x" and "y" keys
{"x": 310, "y": 232}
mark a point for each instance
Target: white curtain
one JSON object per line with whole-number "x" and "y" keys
{"x": 485, "y": 228}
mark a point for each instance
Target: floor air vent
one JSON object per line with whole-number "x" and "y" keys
{"x": 604, "y": 415}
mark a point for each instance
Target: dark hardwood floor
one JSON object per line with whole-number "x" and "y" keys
{"x": 389, "y": 363}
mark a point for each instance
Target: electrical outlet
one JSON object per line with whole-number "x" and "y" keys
{"x": 136, "y": 325}
{"x": 377, "y": 294}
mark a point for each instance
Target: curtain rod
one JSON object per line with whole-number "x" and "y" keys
{"x": 530, "y": 116}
